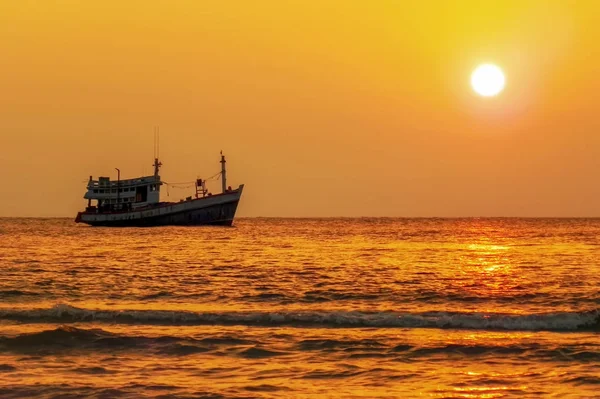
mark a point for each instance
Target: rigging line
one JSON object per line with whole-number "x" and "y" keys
{"x": 192, "y": 181}
{"x": 181, "y": 187}
{"x": 216, "y": 176}
{"x": 213, "y": 176}
{"x": 187, "y": 183}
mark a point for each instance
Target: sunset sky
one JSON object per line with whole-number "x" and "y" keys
{"x": 323, "y": 108}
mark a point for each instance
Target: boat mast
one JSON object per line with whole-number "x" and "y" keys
{"x": 118, "y": 187}
{"x": 89, "y": 185}
{"x": 157, "y": 164}
{"x": 223, "y": 173}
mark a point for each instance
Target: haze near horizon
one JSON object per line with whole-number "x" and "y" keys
{"x": 322, "y": 108}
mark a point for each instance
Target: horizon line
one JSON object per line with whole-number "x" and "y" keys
{"x": 354, "y": 217}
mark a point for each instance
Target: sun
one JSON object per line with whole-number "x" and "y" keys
{"x": 487, "y": 80}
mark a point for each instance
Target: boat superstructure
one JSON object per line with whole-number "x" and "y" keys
{"x": 136, "y": 202}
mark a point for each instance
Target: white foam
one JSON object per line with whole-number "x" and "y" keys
{"x": 560, "y": 321}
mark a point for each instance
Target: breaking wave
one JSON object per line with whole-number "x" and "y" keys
{"x": 557, "y": 321}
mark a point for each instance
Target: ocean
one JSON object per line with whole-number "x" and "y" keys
{"x": 301, "y": 308}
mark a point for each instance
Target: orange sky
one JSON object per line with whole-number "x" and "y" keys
{"x": 324, "y": 108}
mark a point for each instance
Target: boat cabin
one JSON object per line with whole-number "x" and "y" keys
{"x": 122, "y": 195}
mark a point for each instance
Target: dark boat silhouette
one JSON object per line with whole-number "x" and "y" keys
{"x": 136, "y": 202}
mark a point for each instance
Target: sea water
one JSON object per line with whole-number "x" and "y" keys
{"x": 301, "y": 308}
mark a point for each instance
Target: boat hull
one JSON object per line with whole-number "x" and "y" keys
{"x": 217, "y": 210}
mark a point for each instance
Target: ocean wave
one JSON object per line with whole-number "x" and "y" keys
{"x": 558, "y": 321}
{"x": 69, "y": 338}
{"x": 6, "y": 368}
{"x": 259, "y": 353}
{"x": 365, "y": 349}
{"x": 136, "y": 390}
{"x": 16, "y": 293}
{"x": 457, "y": 296}
{"x": 157, "y": 295}
{"x": 334, "y": 344}
{"x": 92, "y": 370}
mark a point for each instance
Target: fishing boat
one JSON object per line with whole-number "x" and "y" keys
{"x": 136, "y": 202}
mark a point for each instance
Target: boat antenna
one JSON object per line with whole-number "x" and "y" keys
{"x": 157, "y": 164}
